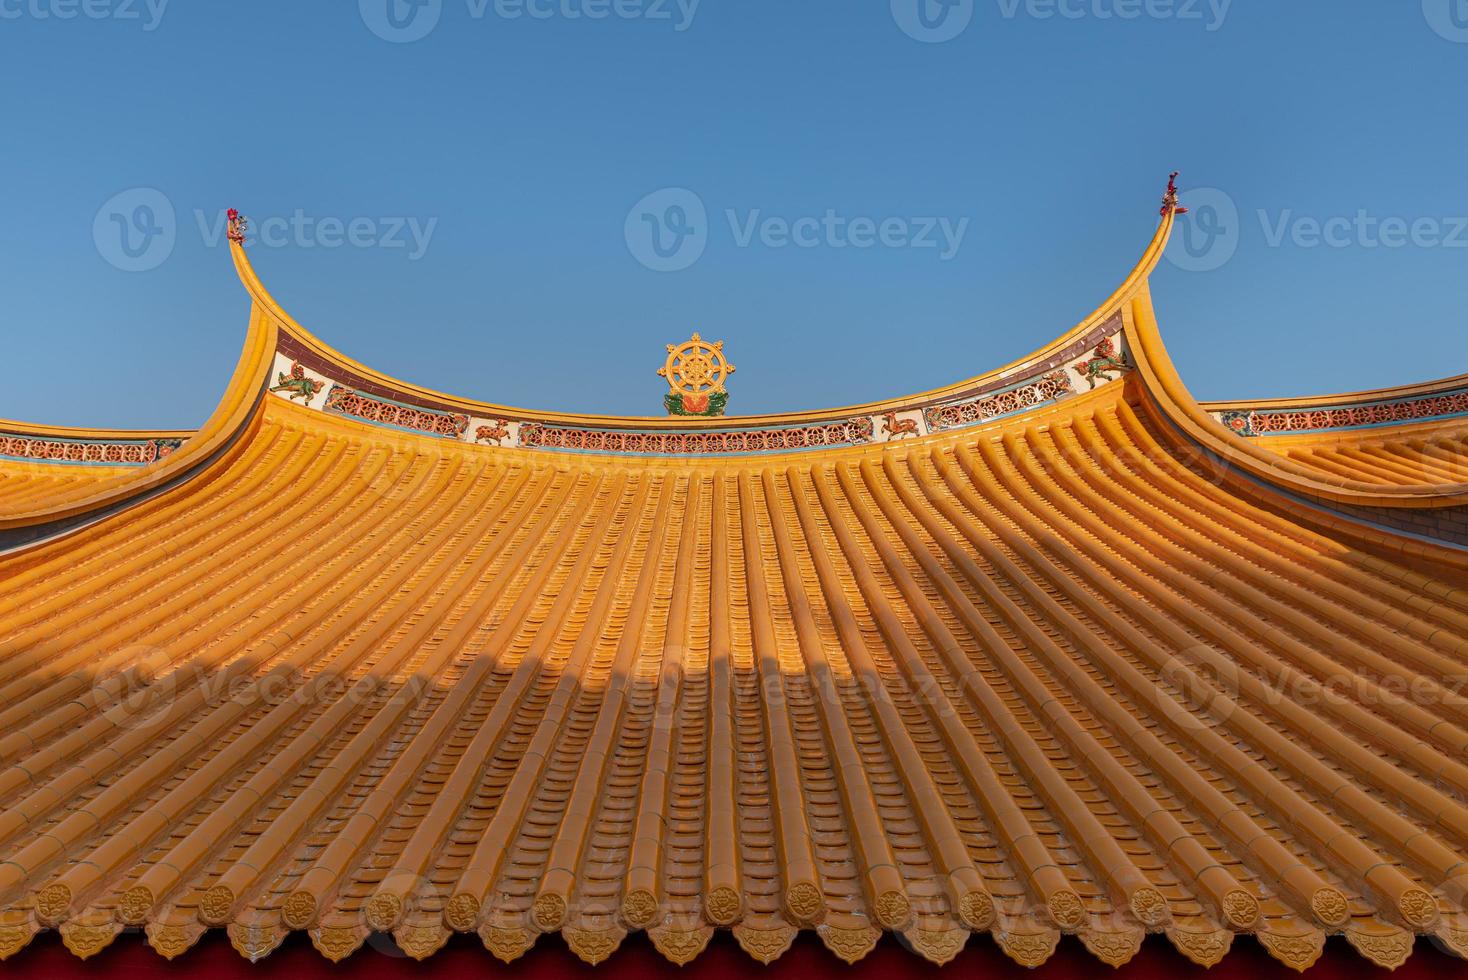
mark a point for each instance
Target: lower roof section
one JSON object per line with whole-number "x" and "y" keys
{"x": 723, "y": 959}
{"x": 1035, "y": 677}
{"x": 39, "y": 463}
{"x": 1433, "y": 453}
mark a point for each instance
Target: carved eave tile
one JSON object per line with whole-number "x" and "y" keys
{"x": 17, "y": 929}
{"x": 255, "y": 942}
{"x": 171, "y": 940}
{"x": 299, "y": 910}
{"x": 337, "y": 943}
{"x": 593, "y": 945}
{"x": 507, "y": 944}
{"x": 805, "y": 904}
{"x": 461, "y": 913}
{"x": 1028, "y": 945}
{"x": 87, "y": 935}
{"x": 1067, "y": 911}
{"x": 217, "y": 905}
{"x": 1240, "y": 910}
{"x": 1386, "y": 946}
{"x": 1205, "y": 945}
{"x": 850, "y": 943}
{"x": 135, "y": 906}
{"x": 640, "y": 908}
{"x": 1419, "y": 909}
{"x": 680, "y": 946}
{"x": 1452, "y": 933}
{"x": 52, "y": 904}
{"x": 765, "y": 941}
{"x": 1151, "y": 909}
{"x": 1297, "y": 948}
{"x": 421, "y": 940}
{"x": 723, "y": 906}
{"x": 978, "y": 911}
{"x": 548, "y": 913}
{"x": 936, "y": 943}
{"x": 1113, "y": 947}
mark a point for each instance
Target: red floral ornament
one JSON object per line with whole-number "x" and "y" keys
{"x": 238, "y": 225}
{"x": 1169, "y": 202}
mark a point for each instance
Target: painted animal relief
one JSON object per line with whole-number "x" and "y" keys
{"x": 896, "y": 428}
{"x": 297, "y": 385}
{"x": 1106, "y": 363}
{"x": 496, "y": 433}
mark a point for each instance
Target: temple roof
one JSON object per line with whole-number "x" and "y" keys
{"x": 1067, "y": 653}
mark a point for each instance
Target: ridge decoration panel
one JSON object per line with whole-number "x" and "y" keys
{"x": 85, "y": 452}
{"x": 1092, "y": 361}
{"x": 1365, "y": 415}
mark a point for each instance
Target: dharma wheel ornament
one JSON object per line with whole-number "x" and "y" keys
{"x": 696, "y": 370}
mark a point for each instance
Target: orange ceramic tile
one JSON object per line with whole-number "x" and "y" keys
{"x": 1052, "y": 650}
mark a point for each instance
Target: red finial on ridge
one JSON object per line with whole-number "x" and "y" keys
{"x": 1169, "y": 202}
{"x": 238, "y": 225}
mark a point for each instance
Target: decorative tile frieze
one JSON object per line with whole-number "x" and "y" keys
{"x": 851, "y": 432}
{"x": 1099, "y": 361}
{"x": 87, "y": 452}
{"x": 1022, "y": 398}
{"x": 1258, "y": 422}
{"x": 380, "y": 411}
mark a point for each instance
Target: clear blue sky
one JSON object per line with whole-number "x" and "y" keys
{"x": 525, "y": 144}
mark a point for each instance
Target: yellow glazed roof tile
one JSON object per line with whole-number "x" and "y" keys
{"x": 1029, "y": 666}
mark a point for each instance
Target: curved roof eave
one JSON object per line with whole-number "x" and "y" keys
{"x": 1017, "y": 369}
{"x": 1128, "y": 308}
{"x": 90, "y": 500}
{"x": 1196, "y": 422}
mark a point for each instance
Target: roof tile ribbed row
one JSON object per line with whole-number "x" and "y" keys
{"x": 1033, "y": 678}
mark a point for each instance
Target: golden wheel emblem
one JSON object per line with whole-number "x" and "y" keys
{"x": 696, "y": 370}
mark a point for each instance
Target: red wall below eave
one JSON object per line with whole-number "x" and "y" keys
{"x": 130, "y": 958}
